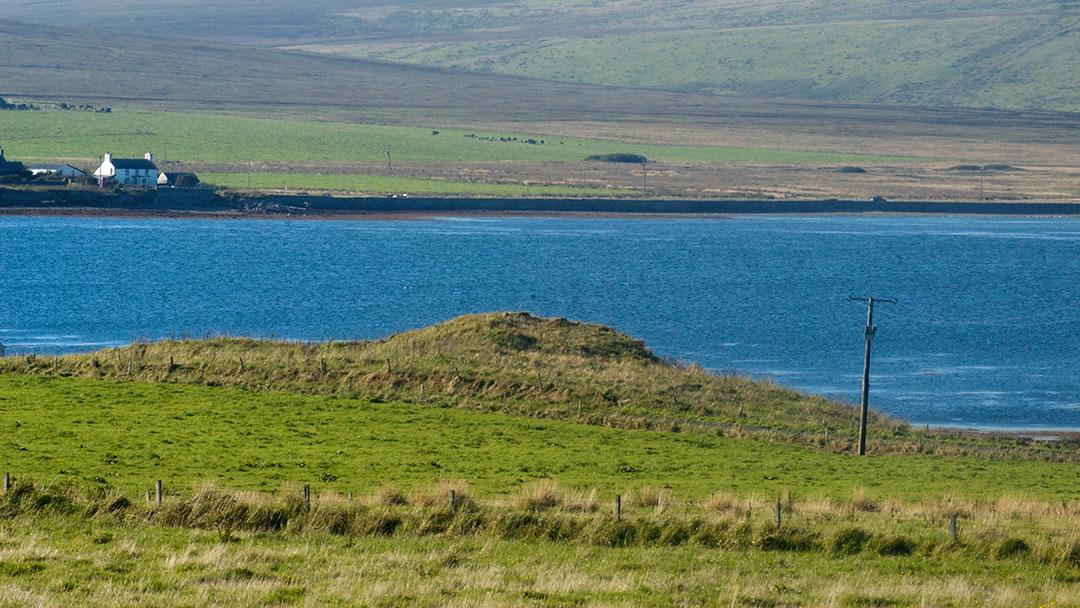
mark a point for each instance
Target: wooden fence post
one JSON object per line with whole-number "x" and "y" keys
{"x": 618, "y": 506}
{"x": 453, "y": 498}
{"x": 952, "y": 527}
{"x": 307, "y": 497}
{"x": 157, "y": 488}
{"x": 777, "y": 514}
{"x": 148, "y": 496}
{"x": 7, "y": 482}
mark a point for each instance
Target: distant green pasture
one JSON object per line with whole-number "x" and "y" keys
{"x": 918, "y": 58}
{"x": 385, "y": 183}
{"x": 203, "y": 137}
{"x": 128, "y": 434}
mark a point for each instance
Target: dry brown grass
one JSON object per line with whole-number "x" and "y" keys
{"x": 861, "y": 501}
{"x": 1038, "y": 179}
{"x": 538, "y": 495}
{"x": 658, "y": 499}
{"x": 439, "y": 494}
{"x": 388, "y": 496}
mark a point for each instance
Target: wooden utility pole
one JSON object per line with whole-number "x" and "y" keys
{"x": 389, "y": 170}
{"x": 868, "y": 336}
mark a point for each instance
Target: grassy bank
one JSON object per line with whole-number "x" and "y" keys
{"x": 388, "y": 550}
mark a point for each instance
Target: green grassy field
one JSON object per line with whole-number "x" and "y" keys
{"x": 384, "y": 183}
{"x": 129, "y": 434}
{"x": 234, "y": 428}
{"x": 213, "y": 138}
{"x": 534, "y": 524}
{"x": 497, "y": 400}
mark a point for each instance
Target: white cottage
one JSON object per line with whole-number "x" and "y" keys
{"x": 130, "y": 171}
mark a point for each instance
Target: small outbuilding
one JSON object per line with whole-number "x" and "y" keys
{"x": 178, "y": 179}
{"x": 62, "y": 170}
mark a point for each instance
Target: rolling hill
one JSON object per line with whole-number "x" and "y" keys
{"x": 1003, "y": 53}
{"x": 112, "y": 68}
{"x": 990, "y": 54}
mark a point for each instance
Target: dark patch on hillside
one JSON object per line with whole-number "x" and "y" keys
{"x": 618, "y": 158}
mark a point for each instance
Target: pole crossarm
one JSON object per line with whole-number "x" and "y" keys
{"x": 889, "y": 300}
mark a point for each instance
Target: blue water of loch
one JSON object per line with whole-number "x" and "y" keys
{"x": 985, "y": 334}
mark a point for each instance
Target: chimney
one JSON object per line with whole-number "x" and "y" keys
{"x": 1, "y": 154}
{"x": 149, "y": 156}
{"x": 108, "y": 157}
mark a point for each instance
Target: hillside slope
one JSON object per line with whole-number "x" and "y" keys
{"x": 1015, "y": 54}
{"x": 1002, "y": 53}
{"x": 107, "y": 68}
{"x": 110, "y": 68}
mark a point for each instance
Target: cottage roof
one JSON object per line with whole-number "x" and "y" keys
{"x": 133, "y": 163}
{"x": 48, "y": 167}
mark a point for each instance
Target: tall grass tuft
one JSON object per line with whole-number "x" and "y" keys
{"x": 848, "y": 541}
{"x": 388, "y": 496}
{"x": 25, "y": 497}
{"x": 539, "y": 495}
{"x": 651, "y": 496}
{"x": 861, "y": 501}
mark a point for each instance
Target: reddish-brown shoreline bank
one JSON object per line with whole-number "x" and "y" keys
{"x": 198, "y": 203}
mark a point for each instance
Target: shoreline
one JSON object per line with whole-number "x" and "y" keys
{"x": 201, "y": 203}
{"x": 484, "y": 208}
{"x": 1041, "y": 435}
{"x": 325, "y": 215}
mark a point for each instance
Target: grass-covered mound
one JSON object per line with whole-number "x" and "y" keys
{"x": 512, "y": 362}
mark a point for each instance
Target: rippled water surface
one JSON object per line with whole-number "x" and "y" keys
{"x": 985, "y": 334}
